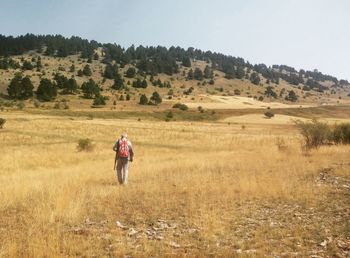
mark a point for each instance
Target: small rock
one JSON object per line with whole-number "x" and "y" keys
{"x": 132, "y": 232}
{"x": 120, "y": 225}
{"x": 323, "y": 243}
{"x": 173, "y": 244}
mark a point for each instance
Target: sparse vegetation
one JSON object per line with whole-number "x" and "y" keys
{"x": 180, "y": 106}
{"x": 315, "y": 133}
{"x": 2, "y": 122}
{"x": 99, "y": 100}
{"x": 85, "y": 145}
{"x": 269, "y": 114}
{"x": 143, "y": 100}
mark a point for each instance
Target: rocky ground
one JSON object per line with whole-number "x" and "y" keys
{"x": 257, "y": 228}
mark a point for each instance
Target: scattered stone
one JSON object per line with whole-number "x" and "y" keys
{"x": 120, "y": 225}
{"x": 132, "y": 232}
{"x": 323, "y": 243}
{"x": 173, "y": 244}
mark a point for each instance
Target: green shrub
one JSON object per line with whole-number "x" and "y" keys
{"x": 143, "y": 100}
{"x": 269, "y": 114}
{"x": 341, "y": 133}
{"x": 169, "y": 115}
{"x": 85, "y": 145}
{"x": 99, "y": 100}
{"x": 315, "y": 133}
{"x": 180, "y": 106}
{"x": 20, "y": 105}
{"x": 2, "y": 122}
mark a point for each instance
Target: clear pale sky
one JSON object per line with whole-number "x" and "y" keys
{"x": 301, "y": 33}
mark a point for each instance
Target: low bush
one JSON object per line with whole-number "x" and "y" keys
{"x": 2, "y": 122}
{"x": 341, "y": 133}
{"x": 315, "y": 133}
{"x": 85, "y": 145}
{"x": 180, "y": 106}
{"x": 269, "y": 114}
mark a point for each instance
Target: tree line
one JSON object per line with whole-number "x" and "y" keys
{"x": 154, "y": 60}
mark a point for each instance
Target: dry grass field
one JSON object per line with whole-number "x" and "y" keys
{"x": 196, "y": 189}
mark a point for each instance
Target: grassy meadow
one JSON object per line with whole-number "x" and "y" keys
{"x": 195, "y": 189}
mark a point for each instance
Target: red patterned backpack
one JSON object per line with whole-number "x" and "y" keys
{"x": 123, "y": 150}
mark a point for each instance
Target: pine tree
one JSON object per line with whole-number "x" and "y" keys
{"x": 155, "y": 98}
{"x": 20, "y": 88}
{"x": 14, "y": 89}
{"x": 240, "y": 73}
{"x": 254, "y": 78}
{"x": 72, "y": 68}
{"x": 27, "y": 65}
{"x": 190, "y": 74}
{"x": 144, "y": 84}
{"x": 198, "y": 74}
{"x": 99, "y": 100}
{"x": 39, "y": 64}
{"x": 143, "y": 100}
{"x": 118, "y": 83}
{"x": 87, "y": 70}
{"x": 186, "y": 61}
{"x": 110, "y": 71}
{"x": 90, "y": 89}
{"x": 27, "y": 88}
{"x": 208, "y": 73}
{"x": 70, "y": 86}
{"x": 47, "y": 91}
{"x": 131, "y": 72}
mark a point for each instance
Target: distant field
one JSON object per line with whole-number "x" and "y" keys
{"x": 237, "y": 102}
{"x": 196, "y": 189}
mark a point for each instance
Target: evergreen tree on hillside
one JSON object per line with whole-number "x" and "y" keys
{"x": 27, "y": 87}
{"x": 20, "y": 88}
{"x": 198, "y": 74}
{"x": 144, "y": 84}
{"x": 90, "y": 89}
{"x": 292, "y": 96}
{"x": 155, "y": 98}
{"x": 46, "y": 91}
{"x": 39, "y": 64}
{"x": 240, "y": 73}
{"x": 190, "y": 75}
{"x": 60, "y": 80}
{"x": 254, "y": 78}
{"x": 72, "y": 68}
{"x": 186, "y": 61}
{"x": 62, "y": 51}
{"x": 143, "y": 100}
{"x": 270, "y": 93}
{"x": 27, "y": 65}
{"x": 110, "y": 71}
{"x": 15, "y": 90}
{"x": 70, "y": 87}
{"x": 118, "y": 83}
{"x": 87, "y": 70}
{"x": 131, "y": 72}
{"x": 208, "y": 73}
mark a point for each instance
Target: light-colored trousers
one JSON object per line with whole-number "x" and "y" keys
{"x": 123, "y": 170}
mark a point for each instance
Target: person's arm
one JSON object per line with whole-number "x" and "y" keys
{"x": 116, "y": 146}
{"x": 131, "y": 152}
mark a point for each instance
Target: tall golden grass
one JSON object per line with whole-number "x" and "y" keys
{"x": 209, "y": 179}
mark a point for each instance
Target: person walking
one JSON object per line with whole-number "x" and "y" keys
{"x": 124, "y": 154}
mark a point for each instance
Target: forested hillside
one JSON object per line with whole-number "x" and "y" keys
{"x": 139, "y": 67}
